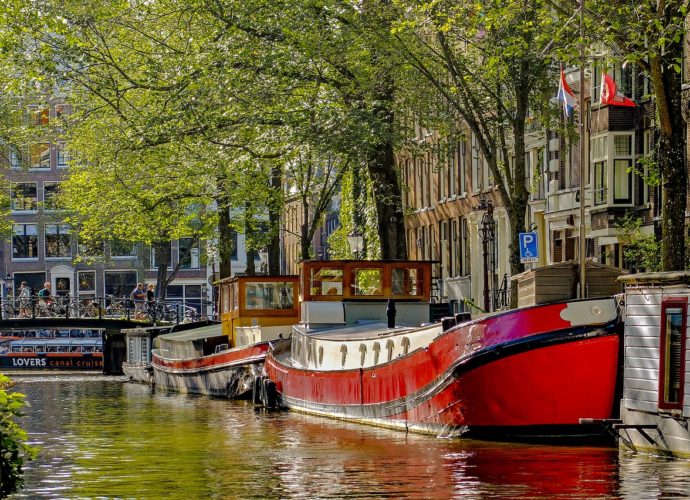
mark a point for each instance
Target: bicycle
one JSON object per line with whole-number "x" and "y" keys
{"x": 161, "y": 312}
{"x": 117, "y": 308}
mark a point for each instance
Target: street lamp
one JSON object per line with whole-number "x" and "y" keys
{"x": 487, "y": 233}
{"x": 263, "y": 258}
{"x": 356, "y": 242}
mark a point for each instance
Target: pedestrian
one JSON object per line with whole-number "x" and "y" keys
{"x": 138, "y": 295}
{"x": 44, "y": 299}
{"x": 24, "y": 300}
{"x": 150, "y": 298}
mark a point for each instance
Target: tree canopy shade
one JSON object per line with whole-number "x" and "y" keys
{"x": 484, "y": 66}
{"x": 236, "y": 81}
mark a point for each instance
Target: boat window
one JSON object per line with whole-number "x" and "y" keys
{"x": 671, "y": 362}
{"x": 406, "y": 281}
{"x": 269, "y": 295}
{"x": 62, "y": 348}
{"x": 367, "y": 281}
{"x": 326, "y": 281}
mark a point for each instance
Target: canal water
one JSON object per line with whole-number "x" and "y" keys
{"x": 106, "y": 438}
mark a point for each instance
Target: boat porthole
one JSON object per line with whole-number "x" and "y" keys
{"x": 596, "y": 310}
{"x": 377, "y": 349}
{"x": 343, "y": 351}
{"x": 320, "y": 354}
{"x": 363, "y": 351}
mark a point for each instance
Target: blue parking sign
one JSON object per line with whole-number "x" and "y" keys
{"x": 529, "y": 248}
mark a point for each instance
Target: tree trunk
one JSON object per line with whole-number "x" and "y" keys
{"x": 304, "y": 239}
{"x": 667, "y": 90}
{"x": 274, "y": 212}
{"x": 516, "y": 207}
{"x": 250, "y": 270}
{"x": 225, "y": 240}
{"x": 381, "y": 160}
{"x": 161, "y": 250}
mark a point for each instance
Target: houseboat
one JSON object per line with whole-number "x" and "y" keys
{"x": 223, "y": 359}
{"x": 365, "y": 351}
{"x": 655, "y": 408}
{"x": 52, "y": 349}
{"x": 139, "y": 342}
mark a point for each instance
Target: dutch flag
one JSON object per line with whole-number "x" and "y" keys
{"x": 566, "y": 96}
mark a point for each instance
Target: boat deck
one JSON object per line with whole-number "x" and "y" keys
{"x": 361, "y": 331}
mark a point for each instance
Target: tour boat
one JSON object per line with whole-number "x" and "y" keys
{"x": 52, "y": 349}
{"x": 223, "y": 359}
{"x": 534, "y": 371}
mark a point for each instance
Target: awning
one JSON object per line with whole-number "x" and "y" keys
{"x": 204, "y": 332}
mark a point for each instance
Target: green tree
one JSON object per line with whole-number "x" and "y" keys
{"x": 483, "y": 65}
{"x": 650, "y": 35}
{"x": 14, "y": 452}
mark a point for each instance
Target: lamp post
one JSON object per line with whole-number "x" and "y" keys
{"x": 487, "y": 232}
{"x": 263, "y": 258}
{"x": 356, "y": 242}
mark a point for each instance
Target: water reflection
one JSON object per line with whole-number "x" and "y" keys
{"x": 102, "y": 437}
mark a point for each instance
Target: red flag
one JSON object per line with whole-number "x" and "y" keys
{"x": 610, "y": 94}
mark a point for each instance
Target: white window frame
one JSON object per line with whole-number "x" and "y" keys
{"x": 35, "y": 234}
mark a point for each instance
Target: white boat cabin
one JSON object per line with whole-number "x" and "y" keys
{"x": 655, "y": 408}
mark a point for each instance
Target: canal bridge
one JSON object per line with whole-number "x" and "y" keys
{"x": 34, "y": 316}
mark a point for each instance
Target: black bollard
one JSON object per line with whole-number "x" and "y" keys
{"x": 390, "y": 313}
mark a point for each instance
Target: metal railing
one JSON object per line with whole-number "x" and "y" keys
{"x": 501, "y": 295}
{"x": 158, "y": 311}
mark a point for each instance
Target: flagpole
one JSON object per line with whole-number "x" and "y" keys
{"x": 583, "y": 246}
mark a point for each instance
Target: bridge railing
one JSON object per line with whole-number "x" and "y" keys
{"x": 158, "y": 311}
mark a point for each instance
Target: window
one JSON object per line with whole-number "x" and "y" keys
{"x": 600, "y": 182}
{"x": 622, "y": 181}
{"x": 39, "y": 155}
{"x": 476, "y": 166}
{"x": 406, "y": 281}
{"x": 120, "y": 248}
{"x": 25, "y": 241}
{"x": 672, "y": 353}
{"x": 14, "y": 158}
{"x": 58, "y": 241}
{"x": 467, "y": 248}
{"x": 326, "y": 281}
{"x": 622, "y": 168}
{"x": 188, "y": 250}
{"x": 62, "y": 155}
{"x": 367, "y": 281}
{"x": 50, "y": 193}
{"x": 39, "y": 117}
{"x": 452, "y": 174}
{"x": 60, "y": 110}
{"x": 462, "y": 167}
{"x": 120, "y": 283}
{"x": 189, "y": 295}
{"x": 265, "y": 295}
{"x": 86, "y": 283}
{"x": 24, "y": 196}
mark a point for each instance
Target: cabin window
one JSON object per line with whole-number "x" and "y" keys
{"x": 367, "y": 281}
{"x": 268, "y": 295}
{"x": 326, "y": 281}
{"x": 672, "y": 353}
{"x": 406, "y": 281}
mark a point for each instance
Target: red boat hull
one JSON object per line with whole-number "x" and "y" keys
{"x": 226, "y": 374}
{"x": 540, "y": 381}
